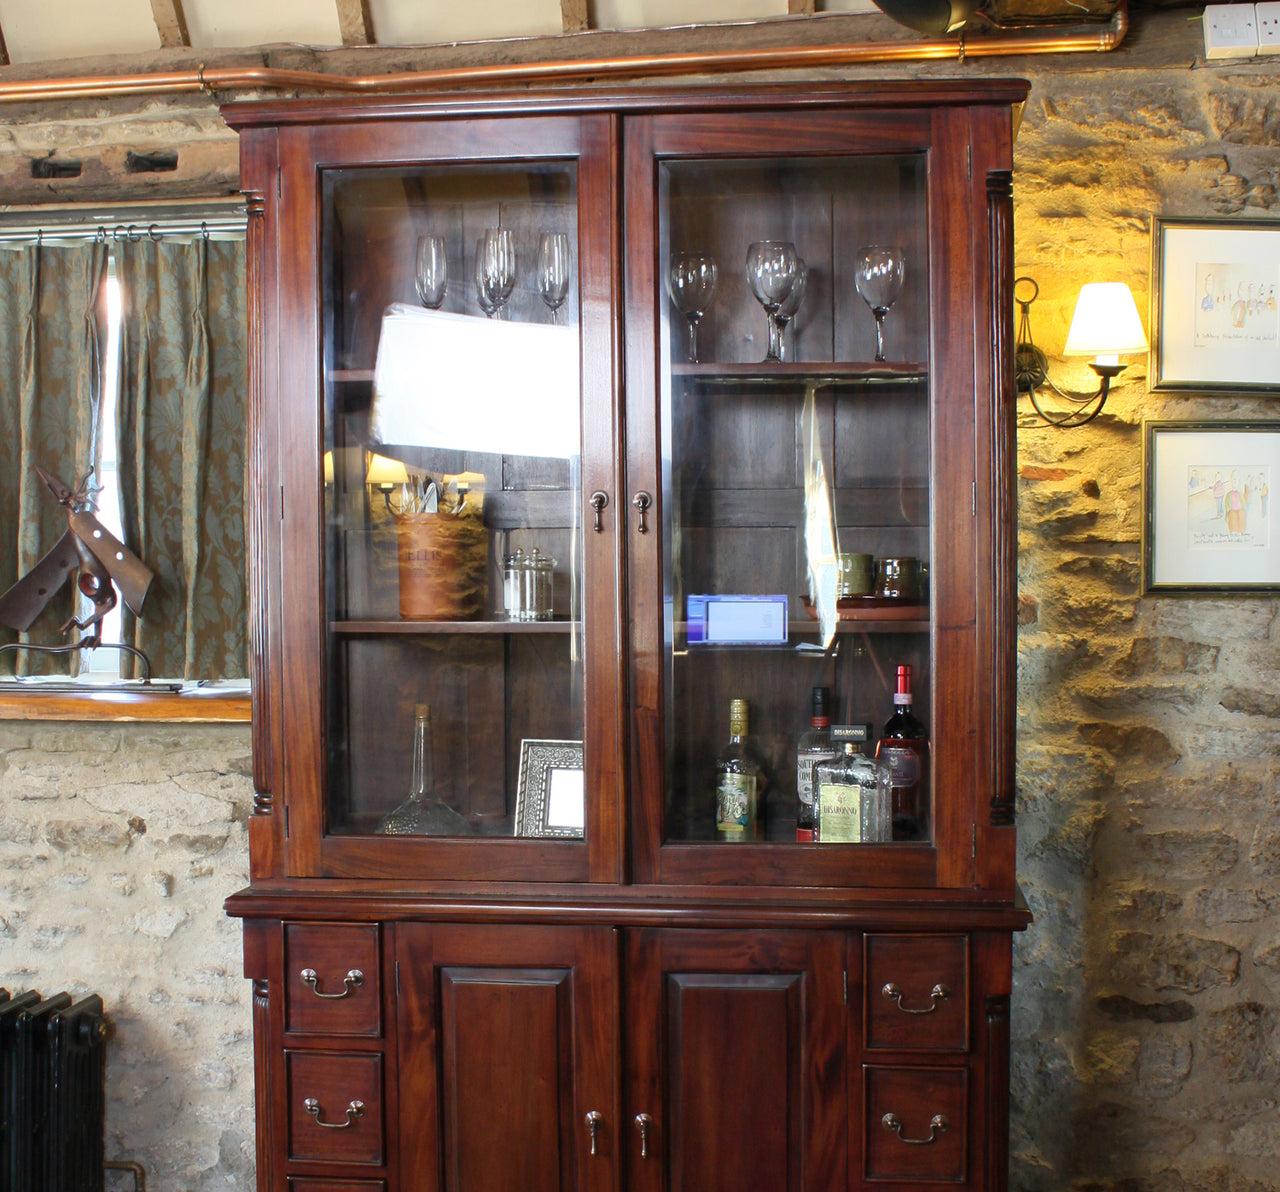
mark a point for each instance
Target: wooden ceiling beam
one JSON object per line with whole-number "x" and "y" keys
{"x": 573, "y": 16}
{"x": 356, "y": 22}
{"x": 4, "y": 50}
{"x": 171, "y": 24}
{"x": 801, "y": 8}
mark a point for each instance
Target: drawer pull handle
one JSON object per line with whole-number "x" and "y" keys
{"x": 350, "y": 983}
{"x": 644, "y": 1121}
{"x": 938, "y": 1124}
{"x": 355, "y": 1111}
{"x": 938, "y": 994}
{"x": 594, "y": 1120}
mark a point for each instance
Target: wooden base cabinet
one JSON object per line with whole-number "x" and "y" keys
{"x": 616, "y": 455}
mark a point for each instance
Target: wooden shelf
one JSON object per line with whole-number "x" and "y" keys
{"x": 380, "y": 628}
{"x": 842, "y": 375}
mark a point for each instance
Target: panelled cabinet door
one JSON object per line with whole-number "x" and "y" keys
{"x": 448, "y": 608}
{"x": 507, "y": 1042}
{"x": 802, "y": 437}
{"x": 734, "y": 1045}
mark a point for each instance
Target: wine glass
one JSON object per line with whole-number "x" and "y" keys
{"x": 771, "y": 274}
{"x": 879, "y": 280}
{"x": 481, "y": 295}
{"x": 553, "y": 271}
{"x": 431, "y": 271}
{"x": 496, "y": 270}
{"x": 691, "y": 282}
{"x": 787, "y": 310}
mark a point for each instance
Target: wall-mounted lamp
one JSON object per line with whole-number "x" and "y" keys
{"x": 1105, "y": 325}
{"x": 386, "y": 475}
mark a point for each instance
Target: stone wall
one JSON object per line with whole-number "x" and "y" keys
{"x": 1146, "y": 1007}
{"x": 118, "y": 844}
{"x": 1147, "y": 1004}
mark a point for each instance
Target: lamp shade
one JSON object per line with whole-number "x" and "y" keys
{"x": 386, "y": 471}
{"x": 1105, "y": 322}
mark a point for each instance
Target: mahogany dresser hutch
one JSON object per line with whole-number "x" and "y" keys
{"x": 566, "y": 974}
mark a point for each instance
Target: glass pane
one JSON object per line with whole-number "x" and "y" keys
{"x": 453, "y": 551}
{"x": 796, "y": 499}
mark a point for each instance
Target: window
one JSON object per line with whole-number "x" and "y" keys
{"x": 123, "y": 347}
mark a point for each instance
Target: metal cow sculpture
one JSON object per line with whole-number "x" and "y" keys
{"x": 98, "y": 559}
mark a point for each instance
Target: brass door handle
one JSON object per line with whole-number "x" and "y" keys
{"x": 599, "y": 500}
{"x": 595, "y": 1119}
{"x": 938, "y": 1124}
{"x": 937, "y": 995}
{"x": 643, "y": 1122}
{"x": 350, "y": 983}
{"x": 355, "y": 1111}
{"x": 642, "y": 501}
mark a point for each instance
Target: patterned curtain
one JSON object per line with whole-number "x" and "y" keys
{"x": 50, "y": 383}
{"x": 181, "y": 429}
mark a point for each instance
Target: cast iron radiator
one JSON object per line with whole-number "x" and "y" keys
{"x": 52, "y": 1093}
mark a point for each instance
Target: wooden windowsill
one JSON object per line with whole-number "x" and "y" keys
{"x": 208, "y": 705}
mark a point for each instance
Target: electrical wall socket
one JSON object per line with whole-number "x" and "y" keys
{"x": 1268, "y": 25}
{"x": 1231, "y": 30}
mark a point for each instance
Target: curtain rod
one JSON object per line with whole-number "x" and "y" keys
{"x": 218, "y": 218}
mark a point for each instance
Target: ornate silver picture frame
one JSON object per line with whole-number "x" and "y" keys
{"x": 550, "y": 794}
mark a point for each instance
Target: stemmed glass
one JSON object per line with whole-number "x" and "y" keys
{"x": 431, "y": 271}
{"x": 691, "y": 282}
{"x": 553, "y": 271}
{"x": 879, "y": 281}
{"x": 496, "y": 270}
{"x": 772, "y": 266}
{"x": 787, "y": 310}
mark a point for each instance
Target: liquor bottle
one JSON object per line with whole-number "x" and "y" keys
{"x": 848, "y": 805}
{"x": 814, "y": 746}
{"x": 903, "y": 760}
{"x": 423, "y": 813}
{"x": 739, "y": 781}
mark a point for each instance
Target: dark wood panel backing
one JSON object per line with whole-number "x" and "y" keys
{"x": 957, "y": 766}
{"x": 258, "y": 159}
{"x": 688, "y": 1063}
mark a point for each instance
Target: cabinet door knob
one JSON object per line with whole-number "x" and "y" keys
{"x": 937, "y": 995}
{"x": 644, "y": 1121}
{"x": 642, "y": 501}
{"x": 594, "y": 1120}
{"x": 350, "y": 983}
{"x": 599, "y": 500}
{"x": 355, "y": 1111}
{"x": 938, "y": 1124}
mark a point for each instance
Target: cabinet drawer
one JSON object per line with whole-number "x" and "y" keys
{"x": 331, "y": 979}
{"x": 915, "y": 1125}
{"x": 916, "y": 992}
{"x": 335, "y": 1106}
{"x": 337, "y": 1186}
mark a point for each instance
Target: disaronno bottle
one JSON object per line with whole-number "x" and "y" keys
{"x": 739, "y": 781}
{"x": 848, "y": 807}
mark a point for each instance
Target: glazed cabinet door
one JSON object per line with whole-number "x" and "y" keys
{"x": 447, "y": 524}
{"x": 735, "y": 1061}
{"x": 507, "y": 1038}
{"x": 807, "y": 382}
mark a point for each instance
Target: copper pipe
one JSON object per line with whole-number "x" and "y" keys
{"x": 567, "y": 70}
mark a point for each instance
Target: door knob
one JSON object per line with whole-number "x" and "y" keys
{"x": 594, "y": 1120}
{"x": 643, "y": 1122}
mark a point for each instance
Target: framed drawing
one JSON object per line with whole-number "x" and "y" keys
{"x": 550, "y": 795}
{"x": 1207, "y": 509}
{"x": 1215, "y": 286}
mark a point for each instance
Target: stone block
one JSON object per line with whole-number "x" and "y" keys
{"x": 1138, "y": 961}
{"x": 1131, "y": 741}
{"x": 1185, "y": 854}
{"x": 1242, "y": 1041}
{"x": 1168, "y": 655}
{"x": 1119, "y": 1008}
{"x": 1215, "y": 905}
{"x": 1164, "y": 1064}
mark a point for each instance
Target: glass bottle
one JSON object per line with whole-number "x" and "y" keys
{"x": 739, "y": 781}
{"x": 814, "y": 746}
{"x": 848, "y": 805}
{"x": 423, "y": 813}
{"x": 902, "y": 757}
